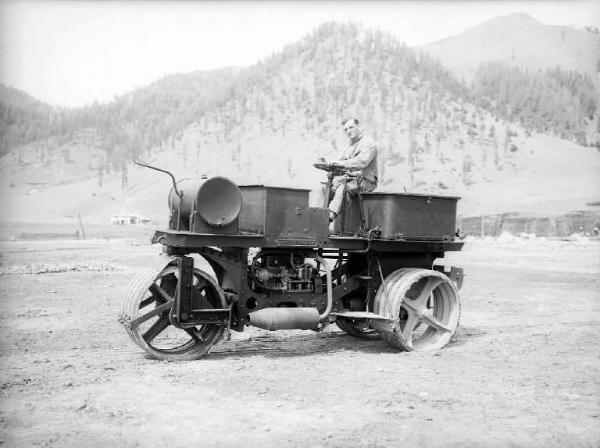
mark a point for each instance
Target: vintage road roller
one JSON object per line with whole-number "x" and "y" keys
{"x": 274, "y": 264}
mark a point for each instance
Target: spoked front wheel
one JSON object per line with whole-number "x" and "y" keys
{"x": 146, "y": 310}
{"x": 422, "y": 304}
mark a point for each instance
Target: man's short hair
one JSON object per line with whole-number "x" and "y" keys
{"x": 350, "y": 119}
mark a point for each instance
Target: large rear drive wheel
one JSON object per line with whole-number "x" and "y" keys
{"x": 425, "y": 306}
{"x": 146, "y": 309}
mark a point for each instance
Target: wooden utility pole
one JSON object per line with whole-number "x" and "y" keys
{"x": 81, "y": 225}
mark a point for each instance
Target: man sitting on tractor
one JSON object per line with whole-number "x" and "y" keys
{"x": 359, "y": 160}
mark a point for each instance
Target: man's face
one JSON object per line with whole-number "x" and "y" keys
{"x": 351, "y": 129}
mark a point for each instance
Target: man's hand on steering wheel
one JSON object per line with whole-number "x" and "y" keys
{"x": 324, "y": 165}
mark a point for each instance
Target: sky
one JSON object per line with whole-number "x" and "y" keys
{"x": 68, "y": 53}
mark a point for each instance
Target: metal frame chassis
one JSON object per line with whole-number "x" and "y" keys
{"x": 179, "y": 242}
{"x": 230, "y": 263}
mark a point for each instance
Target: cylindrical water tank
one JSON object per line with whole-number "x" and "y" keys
{"x": 218, "y": 201}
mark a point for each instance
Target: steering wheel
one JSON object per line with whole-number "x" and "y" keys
{"x": 337, "y": 169}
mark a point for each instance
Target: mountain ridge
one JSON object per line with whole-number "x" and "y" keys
{"x": 518, "y": 40}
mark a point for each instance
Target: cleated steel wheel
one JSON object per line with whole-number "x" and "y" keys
{"x": 357, "y": 328}
{"x": 146, "y": 309}
{"x": 425, "y": 306}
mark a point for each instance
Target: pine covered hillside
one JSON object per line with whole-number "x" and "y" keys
{"x": 548, "y": 101}
{"x": 23, "y": 119}
{"x": 269, "y": 122}
{"x": 144, "y": 117}
{"x": 519, "y": 41}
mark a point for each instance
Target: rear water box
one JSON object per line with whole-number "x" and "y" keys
{"x": 411, "y": 216}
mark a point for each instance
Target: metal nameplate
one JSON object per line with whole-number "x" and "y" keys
{"x": 415, "y": 237}
{"x": 295, "y": 242}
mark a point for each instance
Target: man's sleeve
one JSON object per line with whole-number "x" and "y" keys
{"x": 363, "y": 158}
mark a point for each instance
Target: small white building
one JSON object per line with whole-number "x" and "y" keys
{"x": 128, "y": 219}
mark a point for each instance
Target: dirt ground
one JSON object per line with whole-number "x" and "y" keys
{"x": 524, "y": 370}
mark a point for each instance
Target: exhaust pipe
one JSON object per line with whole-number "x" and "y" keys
{"x": 285, "y": 319}
{"x": 302, "y": 318}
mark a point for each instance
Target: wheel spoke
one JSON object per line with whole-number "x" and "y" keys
{"x": 409, "y": 326}
{"x": 194, "y": 334}
{"x": 158, "y": 327}
{"x": 409, "y": 305}
{"x": 146, "y": 302}
{"x": 432, "y": 321}
{"x": 201, "y": 284}
{"x": 159, "y": 293}
{"x": 155, "y": 312}
{"x": 421, "y": 301}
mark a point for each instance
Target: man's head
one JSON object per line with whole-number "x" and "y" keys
{"x": 351, "y": 128}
